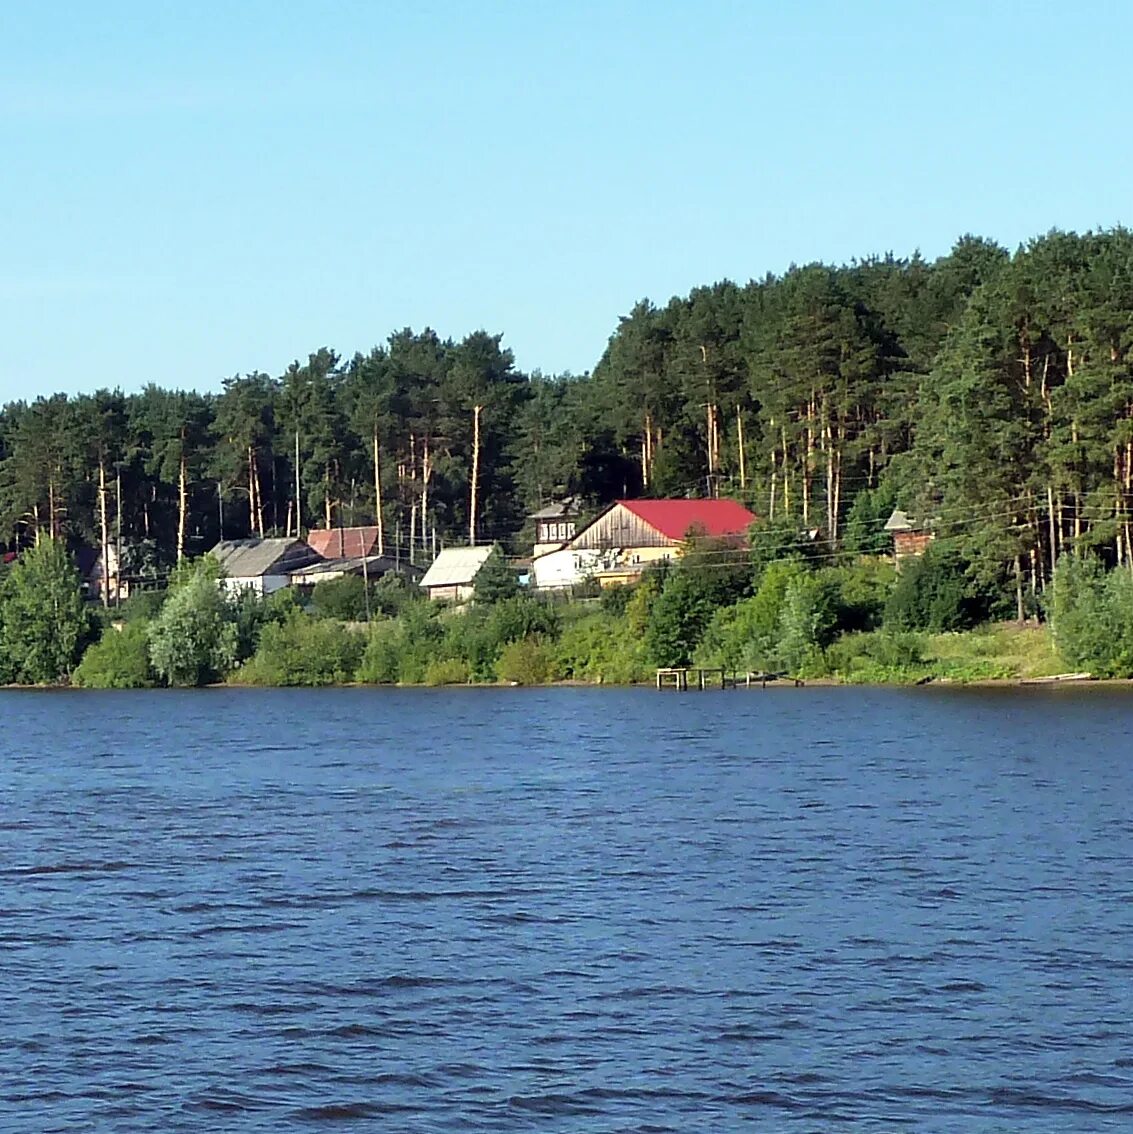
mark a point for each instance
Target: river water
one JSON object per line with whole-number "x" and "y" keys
{"x": 566, "y": 909}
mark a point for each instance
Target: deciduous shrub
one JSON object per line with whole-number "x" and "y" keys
{"x": 193, "y": 641}
{"x": 44, "y": 624}
{"x": 527, "y": 661}
{"x": 1092, "y": 616}
{"x": 118, "y": 660}
{"x": 304, "y": 651}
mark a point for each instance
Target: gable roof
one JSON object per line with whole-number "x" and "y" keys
{"x": 456, "y": 566}
{"x": 251, "y": 558}
{"x": 898, "y": 522}
{"x": 559, "y": 510}
{"x": 674, "y": 518}
{"x": 343, "y": 543}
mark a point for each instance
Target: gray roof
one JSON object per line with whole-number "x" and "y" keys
{"x": 456, "y": 566}
{"x": 252, "y": 558}
{"x": 557, "y": 511}
{"x": 898, "y": 522}
{"x": 377, "y": 564}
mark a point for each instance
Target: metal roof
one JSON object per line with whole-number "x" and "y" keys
{"x": 898, "y": 522}
{"x": 557, "y": 511}
{"x": 343, "y": 543}
{"x": 456, "y": 566}
{"x": 675, "y": 518}
{"x": 377, "y": 564}
{"x": 252, "y": 558}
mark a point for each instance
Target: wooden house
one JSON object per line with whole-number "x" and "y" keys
{"x": 618, "y": 545}
{"x": 910, "y": 539}
{"x": 452, "y": 575}
{"x": 261, "y": 565}
{"x": 555, "y": 526}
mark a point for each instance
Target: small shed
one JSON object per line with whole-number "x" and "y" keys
{"x": 261, "y": 565}
{"x": 452, "y": 575}
{"x": 910, "y": 539}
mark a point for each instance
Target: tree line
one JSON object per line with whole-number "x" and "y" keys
{"x": 987, "y": 393}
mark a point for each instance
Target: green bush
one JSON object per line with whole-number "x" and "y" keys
{"x": 495, "y": 581}
{"x": 44, "y": 624}
{"x": 343, "y": 599}
{"x": 1092, "y": 616}
{"x": 118, "y": 660}
{"x": 600, "y": 649}
{"x": 527, "y": 661}
{"x": 141, "y": 606}
{"x": 398, "y": 651}
{"x": 194, "y": 639}
{"x": 934, "y": 592}
{"x": 304, "y": 651}
{"x": 447, "y": 671}
{"x": 883, "y": 656}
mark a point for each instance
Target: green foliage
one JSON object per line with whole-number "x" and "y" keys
{"x": 343, "y": 599}
{"x": 400, "y": 650}
{"x": 861, "y": 592}
{"x": 864, "y": 531}
{"x": 392, "y": 593}
{"x": 783, "y": 538}
{"x": 808, "y": 623}
{"x": 447, "y": 671}
{"x": 118, "y": 660}
{"x": 935, "y": 592}
{"x": 303, "y": 651}
{"x": 527, "y": 661}
{"x": 879, "y": 657}
{"x": 597, "y": 648}
{"x": 141, "y": 606}
{"x": 44, "y": 624}
{"x": 495, "y": 581}
{"x": 710, "y": 574}
{"x": 253, "y": 613}
{"x": 194, "y": 640}
{"x": 1092, "y": 616}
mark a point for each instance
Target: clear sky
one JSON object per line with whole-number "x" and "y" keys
{"x": 191, "y": 190}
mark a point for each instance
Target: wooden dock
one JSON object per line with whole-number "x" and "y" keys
{"x": 684, "y": 678}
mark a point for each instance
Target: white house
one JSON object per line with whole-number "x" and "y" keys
{"x": 557, "y": 570}
{"x": 261, "y": 565}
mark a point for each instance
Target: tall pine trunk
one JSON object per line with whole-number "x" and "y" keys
{"x": 475, "y": 475}
{"x": 104, "y": 528}
{"x": 378, "y": 496}
{"x": 182, "y": 505}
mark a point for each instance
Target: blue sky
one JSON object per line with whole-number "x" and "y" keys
{"x": 188, "y": 191}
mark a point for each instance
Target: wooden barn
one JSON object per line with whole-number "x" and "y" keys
{"x": 629, "y": 535}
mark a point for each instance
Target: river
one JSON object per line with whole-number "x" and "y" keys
{"x": 566, "y": 910}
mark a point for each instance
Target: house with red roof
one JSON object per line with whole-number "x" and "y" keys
{"x": 622, "y": 541}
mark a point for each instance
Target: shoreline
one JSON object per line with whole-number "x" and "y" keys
{"x": 811, "y": 683}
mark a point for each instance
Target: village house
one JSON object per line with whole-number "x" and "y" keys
{"x": 89, "y": 560}
{"x": 262, "y": 565}
{"x": 452, "y": 575}
{"x": 620, "y": 543}
{"x": 910, "y": 539}
{"x": 349, "y": 551}
{"x": 555, "y": 526}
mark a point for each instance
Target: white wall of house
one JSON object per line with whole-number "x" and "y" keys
{"x": 260, "y": 584}
{"x": 565, "y": 568}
